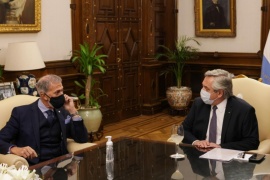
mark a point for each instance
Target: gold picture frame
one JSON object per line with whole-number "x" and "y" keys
{"x": 20, "y": 17}
{"x": 215, "y": 20}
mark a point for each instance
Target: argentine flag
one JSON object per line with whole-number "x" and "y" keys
{"x": 265, "y": 73}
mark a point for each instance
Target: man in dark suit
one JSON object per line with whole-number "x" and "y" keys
{"x": 236, "y": 122}
{"x": 39, "y": 131}
{"x": 214, "y": 17}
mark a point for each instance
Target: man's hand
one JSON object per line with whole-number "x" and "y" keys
{"x": 205, "y": 144}
{"x": 214, "y": 145}
{"x": 203, "y": 149}
{"x": 69, "y": 104}
{"x": 202, "y": 144}
{"x": 26, "y": 152}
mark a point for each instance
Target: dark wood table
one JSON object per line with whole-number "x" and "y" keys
{"x": 137, "y": 159}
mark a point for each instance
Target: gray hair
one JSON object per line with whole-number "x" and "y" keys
{"x": 222, "y": 80}
{"x": 44, "y": 83}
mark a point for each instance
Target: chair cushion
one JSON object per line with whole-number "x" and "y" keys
{"x": 256, "y": 94}
{"x": 8, "y": 104}
{"x": 11, "y": 159}
{"x": 73, "y": 146}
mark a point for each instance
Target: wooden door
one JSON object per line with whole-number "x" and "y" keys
{"x": 115, "y": 25}
{"x": 130, "y": 31}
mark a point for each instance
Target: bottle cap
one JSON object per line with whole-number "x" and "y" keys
{"x": 109, "y": 142}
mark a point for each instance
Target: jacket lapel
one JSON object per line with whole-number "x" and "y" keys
{"x": 226, "y": 120}
{"x": 206, "y": 120}
{"x": 35, "y": 122}
{"x": 62, "y": 122}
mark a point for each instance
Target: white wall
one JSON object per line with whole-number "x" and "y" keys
{"x": 54, "y": 39}
{"x": 55, "y": 42}
{"x": 248, "y": 28}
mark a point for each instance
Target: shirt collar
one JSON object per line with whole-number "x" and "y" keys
{"x": 222, "y": 106}
{"x": 42, "y": 107}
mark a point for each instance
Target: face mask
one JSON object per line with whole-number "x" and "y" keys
{"x": 206, "y": 97}
{"x": 58, "y": 101}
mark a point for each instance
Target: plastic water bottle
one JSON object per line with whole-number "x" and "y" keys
{"x": 109, "y": 158}
{"x": 109, "y": 149}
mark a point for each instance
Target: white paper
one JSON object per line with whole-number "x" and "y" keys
{"x": 222, "y": 154}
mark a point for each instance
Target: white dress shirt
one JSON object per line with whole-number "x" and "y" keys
{"x": 220, "y": 116}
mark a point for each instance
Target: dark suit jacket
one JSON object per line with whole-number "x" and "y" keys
{"x": 239, "y": 130}
{"x": 22, "y": 129}
{"x": 214, "y": 19}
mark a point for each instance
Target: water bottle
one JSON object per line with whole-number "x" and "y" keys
{"x": 109, "y": 158}
{"x": 109, "y": 149}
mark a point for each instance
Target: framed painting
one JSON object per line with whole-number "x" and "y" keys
{"x": 215, "y": 18}
{"x": 20, "y": 16}
{"x": 7, "y": 90}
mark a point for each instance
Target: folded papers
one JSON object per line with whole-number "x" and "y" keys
{"x": 222, "y": 154}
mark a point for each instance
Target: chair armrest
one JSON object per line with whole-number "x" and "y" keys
{"x": 264, "y": 147}
{"x": 12, "y": 159}
{"x": 73, "y": 146}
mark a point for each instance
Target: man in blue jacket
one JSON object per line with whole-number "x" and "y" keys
{"x": 39, "y": 131}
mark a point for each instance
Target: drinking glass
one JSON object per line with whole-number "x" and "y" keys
{"x": 177, "y": 136}
{"x": 177, "y": 175}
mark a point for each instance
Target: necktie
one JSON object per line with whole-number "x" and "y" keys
{"x": 213, "y": 126}
{"x": 50, "y": 117}
{"x": 213, "y": 136}
{"x": 213, "y": 168}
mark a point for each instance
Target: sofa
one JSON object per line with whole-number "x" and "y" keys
{"x": 6, "y": 107}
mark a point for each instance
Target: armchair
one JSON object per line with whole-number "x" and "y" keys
{"x": 6, "y": 107}
{"x": 257, "y": 94}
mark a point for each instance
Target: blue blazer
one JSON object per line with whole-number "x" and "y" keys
{"x": 239, "y": 130}
{"x": 22, "y": 129}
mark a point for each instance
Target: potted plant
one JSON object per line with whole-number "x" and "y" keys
{"x": 89, "y": 62}
{"x": 178, "y": 96}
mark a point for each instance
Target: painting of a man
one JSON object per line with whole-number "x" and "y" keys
{"x": 17, "y": 12}
{"x": 214, "y": 16}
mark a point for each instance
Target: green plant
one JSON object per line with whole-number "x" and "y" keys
{"x": 89, "y": 61}
{"x": 94, "y": 95}
{"x": 178, "y": 56}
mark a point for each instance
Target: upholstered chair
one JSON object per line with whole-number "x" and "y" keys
{"x": 256, "y": 94}
{"x": 6, "y": 107}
